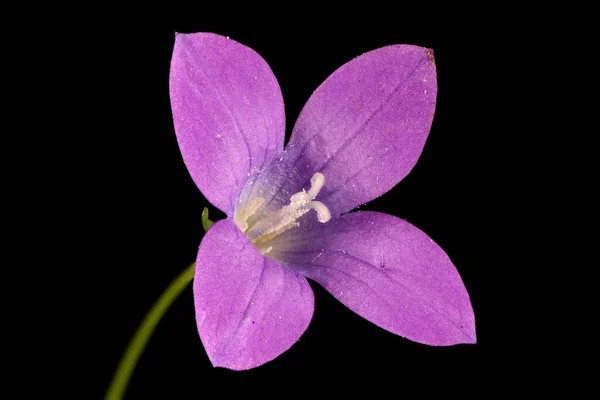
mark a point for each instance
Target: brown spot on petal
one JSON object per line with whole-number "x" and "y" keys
{"x": 429, "y": 55}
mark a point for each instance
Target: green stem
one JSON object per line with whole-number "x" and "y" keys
{"x": 140, "y": 339}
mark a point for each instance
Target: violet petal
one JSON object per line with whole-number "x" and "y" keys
{"x": 386, "y": 270}
{"x": 364, "y": 128}
{"x": 249, "y": 309}
{"x": 228, "y": 113}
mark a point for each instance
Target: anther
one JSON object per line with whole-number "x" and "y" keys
{"x": 269, "y": 225}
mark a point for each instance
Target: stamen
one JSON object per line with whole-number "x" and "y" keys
{"x": 268, "y": 236}
{"x": 242, "y": 218}
{"x": 265, "y": 251}
{"x": 270, "y": 225}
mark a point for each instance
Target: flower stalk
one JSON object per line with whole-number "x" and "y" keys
{"x": 138, "y": 343}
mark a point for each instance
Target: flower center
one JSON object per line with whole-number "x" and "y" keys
{"x": 271, "y": 224}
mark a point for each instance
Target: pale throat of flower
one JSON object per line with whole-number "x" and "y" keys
{"x": 269, "y": 225}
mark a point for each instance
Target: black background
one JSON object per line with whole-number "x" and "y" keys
{"x": 140, "y": 210}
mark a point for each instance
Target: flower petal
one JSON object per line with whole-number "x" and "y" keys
{"x": 249, "y": 309}
{"x": 364, "y": 128}
{"x": 387, "y": 271}
{"x": 228, "y": 113}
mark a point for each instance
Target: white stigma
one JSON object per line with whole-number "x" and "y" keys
{"x": 270, "y": 225}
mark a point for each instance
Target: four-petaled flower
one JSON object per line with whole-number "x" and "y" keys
{"x": 359, "y": 134}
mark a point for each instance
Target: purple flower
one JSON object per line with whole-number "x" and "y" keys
{"x": 288, "y": 219}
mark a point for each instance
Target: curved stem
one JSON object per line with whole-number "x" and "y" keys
{"x": 140, "y": 339}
